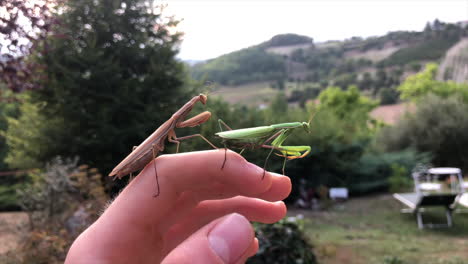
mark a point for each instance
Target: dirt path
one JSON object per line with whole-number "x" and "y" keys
{"x": 11, "y": 226}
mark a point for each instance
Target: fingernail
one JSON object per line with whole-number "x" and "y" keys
{"x": 230, "y": 238}
{"x": 254, "y": 168}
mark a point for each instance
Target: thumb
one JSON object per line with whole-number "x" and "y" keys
{"x": 226, "y": 240}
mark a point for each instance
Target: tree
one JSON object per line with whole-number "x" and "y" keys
{"x": 366, "y": 82}
{"x": 421, "y": 84}
{"x": 381, "y": 79}
{"x": 111, "y": 80}
{"x": 388, "y": 96}
{"x": 24, "y": 25}
{"x": 438, "y": 126}
{"x": 7, "y": 110}
{"x": 350, "y": 110}
{"x": 346, "y": 103}
{"x": 279, "y": 105}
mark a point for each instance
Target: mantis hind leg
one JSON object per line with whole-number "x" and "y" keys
{"x": 221, "y": 122}
{"x": 155, "y": 173}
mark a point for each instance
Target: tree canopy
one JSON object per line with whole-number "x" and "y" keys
{"x": 112, "y": 78}
{"x": 421, "y": 84}
{"x": 24, "y": 25}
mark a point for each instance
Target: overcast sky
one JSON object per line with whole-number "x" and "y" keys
{"x": 216, "y": 27}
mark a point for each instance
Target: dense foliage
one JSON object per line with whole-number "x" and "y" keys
{"x": 24, "y": 25}
{"x": 431, "y": 50}
{"x": 438, "y": 126}
{"x": 346, "y": 103}
{"x": 283, "y": 242}
{"x": 112, "y": 78}
{"x": 8, "y": 109}
{"x": 60, "y": 202}
{"x": 9, "y": 182}
{"x": 419, "y": 85}
{"x": 400, "y": 180}
{"x": 435, "y": 40}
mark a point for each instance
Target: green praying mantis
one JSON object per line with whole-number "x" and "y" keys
{"x": 259, "y": 137}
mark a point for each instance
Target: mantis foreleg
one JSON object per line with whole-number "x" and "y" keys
{"x": 221, "y": 122}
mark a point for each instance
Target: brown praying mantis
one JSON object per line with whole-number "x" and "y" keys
{"x": 151, "y": 146}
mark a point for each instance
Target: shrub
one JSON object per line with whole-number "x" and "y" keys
{"x": 399, "y": 180}
{"x": 372, "y": 171}
{"x": 61, "y": 202}
{"x": 9, "y": 197}
{"x": 282, "y": 242}
{"x": 438, "y": 126}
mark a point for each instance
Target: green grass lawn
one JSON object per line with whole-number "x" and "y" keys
{"x": 372, "y": 230}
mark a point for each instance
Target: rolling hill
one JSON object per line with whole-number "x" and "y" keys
{"x": 300, "y": 67}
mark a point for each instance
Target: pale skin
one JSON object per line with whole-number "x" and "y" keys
{"x": 191, "y": 218}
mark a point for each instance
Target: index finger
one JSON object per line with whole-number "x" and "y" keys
{"x": 178, "y": 173}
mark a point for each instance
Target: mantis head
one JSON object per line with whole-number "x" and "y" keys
{"x": 306, "y": 126}
{"x": 203, "y": 98}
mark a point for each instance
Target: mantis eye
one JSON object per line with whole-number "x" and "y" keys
{"x": 306, "y": 126}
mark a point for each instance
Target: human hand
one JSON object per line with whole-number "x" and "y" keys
{"x": 200, "y": 215}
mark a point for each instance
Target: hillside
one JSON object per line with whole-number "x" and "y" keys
{"x": 455, "y": 64}
{"x": 263, "y": 62}
{"x": 376, "y": 64}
